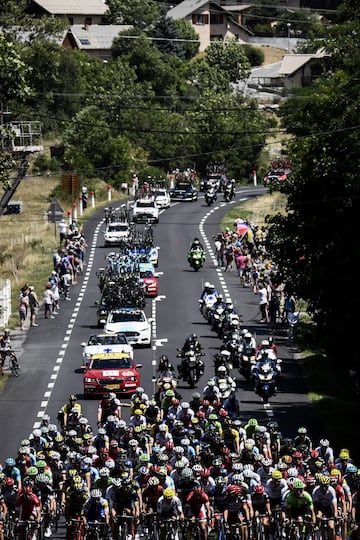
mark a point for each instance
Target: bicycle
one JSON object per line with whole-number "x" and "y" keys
{"x": 299, "y": 529}
{"x": 125, "y": 525}
{"x": 10, "y": 525}
{"x": 27, "y": 530}
{"x": 193, "y": 528}
{"x": 94, "y": 530}
{"x": 258, "y": 529}
{"x": 75, "y": 529}
{"x": 148, "y": 524}
{"x": 13, "y": 361}
{"x": 168, "y": 529}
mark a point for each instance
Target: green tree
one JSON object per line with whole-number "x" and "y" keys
{"x": 176, "y": 37}
{"x": 230, "y": 57}
{"x": 139, "y": 13}
{"x": 316, "y": 242}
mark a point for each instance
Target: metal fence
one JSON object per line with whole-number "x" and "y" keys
{"x": 5, "y": 301}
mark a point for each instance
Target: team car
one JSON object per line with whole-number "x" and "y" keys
{"x": 162, "y": 198}
{"x": 106, "y": 343}
{"x": 145, "y": 210}
{"x": 116, "y": 232}
{"x": 149, "y": 278}
{"x": 113, "y": 371}
{"x": 184, "y": 191}
{"x": 132, "y": 322}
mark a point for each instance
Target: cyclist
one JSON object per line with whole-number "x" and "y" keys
{"x": 65, "y": 411}
{"x": 3, "y": 514}
{"x": 325, "y": 503}
{"x": 96, "y": 509}
{"x": 198, "y": 507}
{"x": 45, "y": 493}
{"x": 11, "y": 471}
{"x": 169, "y": 507}
{"x": 299, "y": 504}
{"x": 238, "y": 510}
{"x": 261, "y": 507}
{"x": 124, "y": 499}
{"x": 28, "y": 507}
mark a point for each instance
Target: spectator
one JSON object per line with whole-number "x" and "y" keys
{"x": 263, "y": 302}
{"x": 23, "y": 306}
{"x": 34, "y": 305}
{"x": 48, "y": 300}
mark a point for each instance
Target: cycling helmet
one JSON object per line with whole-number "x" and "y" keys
{"x": 324, "y": 442}
{"x": 134, "y": 443}
{"x": 178, "y": 450}
{"x": 302, "y": 431}
{"x": 292, "y": 471}
{"x": 259, "y": 488}
{"x": 32, "y": 471}
{"x": 95, "y": 493}
{"x": 185, "y": 405}
{"x": 153, "y": 481}
{"x": 205, "y": 473}
{"x": 42, "y": 478}
{"x": 266, "y": 462}
{"x": 9, "y": 482}
{"x": 197, "y": 468}
{"x": 219, "y": 481}
{"x": 265, "y": 343}
{"x": 298, "y": 484}
{"x": 237, "y": 467}
{"x": 324, "y": 480}
{"x": 187, "y": 473}
{"x": 237, "y": 479}
{"x": 104, "y": 471}
{"x": 110, "y": 464}
{"x": 310, "y": 480}
{"x": 335, "y": 472}
{"x": 72, "y": 397}
{"x": 249, "y": 444}
{"x": 297, "y": 455}
{"x": 144, "y": 458}
{"x": 276, "y": 475}
{"x": 233, "y": 489}
{"x": 344, "y": 453}
{"x": 351, "y": 468}
{"x": 221, "y": 369}
{"x": 10, "y": 462}
{"x": 41, "y": 464}
{"x": 169, "y": 493}
{"x": 248, "y": 336}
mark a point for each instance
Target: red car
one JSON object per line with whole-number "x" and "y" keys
{"x": 148, "y": 276}
{"x": 115, "y": 372}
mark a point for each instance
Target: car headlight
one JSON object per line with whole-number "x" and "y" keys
{"x": 90, "y": 379}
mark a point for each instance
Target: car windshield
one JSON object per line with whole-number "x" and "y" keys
{"x": 118, "y": 228}
{"x": 127, "y": 316}
{"x": 111, "y": 363}
{"x": 146, "y": 274}
{"x": 118, "y": 339}
{"x": 160, "y": 193}
{"x": 145, "y": 204}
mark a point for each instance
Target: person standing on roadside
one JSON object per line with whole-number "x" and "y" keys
{"x": 48, "y": 300}
{"x": 34, "y": 305}
{"x": 263, "y": 301}
{"x": 23, "y": 306}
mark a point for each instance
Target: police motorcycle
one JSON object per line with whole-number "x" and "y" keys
{"x": 225, "y": 383}
{"x": 208, "y": 299}
{"x": 223, "y": 358}
{"x": 265, "y": 375}
{"x": 247, "y": 355}
{"x": 229, "y": 191}
{"x": 232, "y": 345}
{"x": 210, "y": 196}
{"x": 231, "y": 322}
{"x": 217, "y": 315}
{"x": 191, "y": 367}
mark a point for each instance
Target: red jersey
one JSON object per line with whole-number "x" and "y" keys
{"x": 28, "y": 505}
{"x": 196, "y": 503}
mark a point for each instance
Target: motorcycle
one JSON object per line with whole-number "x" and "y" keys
{"x": 191, "y": 367}
{"x": 210, "y": 196}
{"x": 206, "y": 304}
{"x": 223, "y": 359}
{"x": 217, "y": 318}
{"x": 264, "y": 378}
{"x": 229, "y": 193}
{"x": 247, "y": 360}
{"x": 196, "y": 259}
{"x": 231, "y": 324}
{"x": 226, "y": 388}
{"x": 232, "y": 345}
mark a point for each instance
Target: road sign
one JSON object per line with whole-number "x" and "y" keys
{"x": 55, "y": 213}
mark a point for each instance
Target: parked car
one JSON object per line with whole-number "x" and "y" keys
{"x": 113, "y": 371}
{"x": 149, "y": 278}
{"x": 106, "y": 343}
{"x": 184, "y": 192}
{"x": 162, "y": 198}
{"x": 276, "y": 177}
{"x": 116, "y": 232}
{"x": 132, "y": 322}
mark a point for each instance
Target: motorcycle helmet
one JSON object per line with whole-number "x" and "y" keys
{"x": 221, "y": 370}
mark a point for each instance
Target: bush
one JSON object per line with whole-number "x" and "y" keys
{"x": 255, "y": 55}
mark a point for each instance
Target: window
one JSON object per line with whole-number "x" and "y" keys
{"x": 200, "y": 18}
{"x": 216, "y": 18}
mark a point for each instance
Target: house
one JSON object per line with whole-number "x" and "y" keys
{"x": 76, "y": 11}
{"x": 94, "y": 39}
{"x": 212, "y": 21}
{"x": 294, "y": 71}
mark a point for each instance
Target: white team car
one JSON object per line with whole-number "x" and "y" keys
{"x": 132, "y": 322}
{"x": 162, "y": 198}
{"x": 106, "y": 343}
{"x": 116, "y": 232}
{"x": 145, "y": 210}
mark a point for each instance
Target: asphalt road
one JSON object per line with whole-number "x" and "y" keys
{"x": 52, "y": 352}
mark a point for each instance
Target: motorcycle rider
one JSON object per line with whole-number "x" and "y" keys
{"x": 196, "y": 245}
{"x": 191, "y": 342}
{"x": 261, "y": 360}
{"x": 210, "y": 195}
{"x": 165, "y": 365}
{"x": 224, "y": 382}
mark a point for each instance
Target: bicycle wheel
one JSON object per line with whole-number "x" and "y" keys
{"x": 14, "y": 366}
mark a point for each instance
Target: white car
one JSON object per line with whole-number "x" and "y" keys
{"x": 162, "y": 198}
{"x": 145, "y": 210}
{"x": 132, "y": 322}
{"x": 106, "y": 343}
{"x": 116, "y": 232}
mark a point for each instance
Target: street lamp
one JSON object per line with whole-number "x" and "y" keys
{"x": 288, "y": 35}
